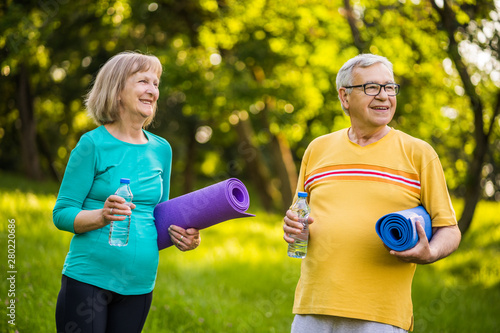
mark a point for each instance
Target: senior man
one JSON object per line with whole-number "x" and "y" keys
{"x": 351, "y": 282}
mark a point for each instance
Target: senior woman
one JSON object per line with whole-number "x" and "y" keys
{"x": 107, "y": 288}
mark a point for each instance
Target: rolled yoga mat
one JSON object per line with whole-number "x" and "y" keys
{"x": 398, "y": 231}
{"x": 201, "y": 209}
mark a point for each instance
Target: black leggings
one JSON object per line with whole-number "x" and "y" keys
{"x": 84, "y": 308}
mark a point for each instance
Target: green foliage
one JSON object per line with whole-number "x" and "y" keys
{"x": 272, "y": 62}
{"x": 239, "y": 279}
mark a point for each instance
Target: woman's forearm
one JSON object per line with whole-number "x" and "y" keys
{"x": 88, "y": 220}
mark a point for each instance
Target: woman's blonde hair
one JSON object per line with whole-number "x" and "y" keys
{"x": 102, "y": 100}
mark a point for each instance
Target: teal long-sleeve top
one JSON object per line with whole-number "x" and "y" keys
{"x": 93, "y": 174}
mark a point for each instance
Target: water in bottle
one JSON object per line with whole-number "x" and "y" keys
{"x": 298, "y": 249}
{"x": 119, "y": 230}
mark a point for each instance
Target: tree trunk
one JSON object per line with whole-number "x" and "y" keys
{"x": 189, "y": 174}
{"x": 472, "y": 188}
{"x": 29, "y": 149}
{"x": 285, "y": 169}
{"x": 45, "y": 152}
{"x": 283, "y": 166}
{"x": 473, "y": 179}
{"x": 356, "y": 35}
{"x": 255, "y": 165}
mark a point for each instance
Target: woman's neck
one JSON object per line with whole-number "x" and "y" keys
{"x": 127, "y": 133}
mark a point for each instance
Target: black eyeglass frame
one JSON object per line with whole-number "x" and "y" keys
{"x": 380, "y": 86}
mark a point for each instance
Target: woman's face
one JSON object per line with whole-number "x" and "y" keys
{"x": 138, "y": 97}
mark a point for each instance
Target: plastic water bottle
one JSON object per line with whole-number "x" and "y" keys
{"x": 298, "y": 249}
{"x": 119, "y": 230}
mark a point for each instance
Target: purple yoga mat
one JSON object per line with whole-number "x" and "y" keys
{"x": 201, "y": 209}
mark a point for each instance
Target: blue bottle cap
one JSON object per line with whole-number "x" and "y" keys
{"x": 124, "y": 181}
{"x": 302, "y": 194}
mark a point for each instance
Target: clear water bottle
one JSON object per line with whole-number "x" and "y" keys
{"x": 119, "y": 230}
{"x": 298, "y": 249}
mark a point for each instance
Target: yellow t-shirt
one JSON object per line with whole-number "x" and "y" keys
{"x": 348, "y": 272}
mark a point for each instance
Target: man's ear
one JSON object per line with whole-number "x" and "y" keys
{"x": 344, "y": 98}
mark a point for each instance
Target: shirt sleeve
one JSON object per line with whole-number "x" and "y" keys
{"x": 435, "y": 196}
{"x": 77, "y": 182}
{"x": 167, "y": 170}
{"x": 302, "y": 175}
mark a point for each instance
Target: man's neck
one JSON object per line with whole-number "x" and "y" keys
{"x": 365, "y": 137}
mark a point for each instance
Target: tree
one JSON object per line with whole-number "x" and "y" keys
{"x": 247, "y": 85}
{"x": 472, "y": 26}
{"x": 277, "y": 62}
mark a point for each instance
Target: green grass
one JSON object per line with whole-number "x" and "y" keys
{"x": 239, "y": 279}
{"x": 462, "y": 292}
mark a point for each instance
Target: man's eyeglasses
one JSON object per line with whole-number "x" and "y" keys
{"x": 373, "y": 89}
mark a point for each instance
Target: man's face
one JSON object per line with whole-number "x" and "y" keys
{"x": 370, "y": 112}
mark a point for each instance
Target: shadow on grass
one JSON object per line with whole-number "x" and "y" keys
{"x": 239, "y": 280}
{"x": 462, "y": 307}
{"x": 234, "y": 298}
{"x": 14, "y": 182}
{"x": 461, "y": 292}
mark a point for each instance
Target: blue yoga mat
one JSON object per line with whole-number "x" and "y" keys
{"x": 398, "y": 231}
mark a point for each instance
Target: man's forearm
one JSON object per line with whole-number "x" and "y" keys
{"x": 445, "y": 241}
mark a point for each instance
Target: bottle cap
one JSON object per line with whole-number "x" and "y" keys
{"x": 124, "y": 181}
{"x": 302, "y": 194}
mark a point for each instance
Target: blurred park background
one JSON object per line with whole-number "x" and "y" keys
{"x": 246, "y": 86}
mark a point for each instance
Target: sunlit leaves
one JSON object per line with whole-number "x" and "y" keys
{"x": 275, "y": 61}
